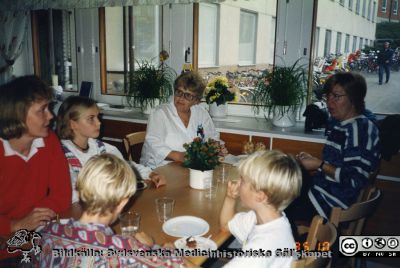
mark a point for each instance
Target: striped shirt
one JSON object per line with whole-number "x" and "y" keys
{"x": 353, "y": 147}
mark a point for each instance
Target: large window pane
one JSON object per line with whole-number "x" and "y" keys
{"x": 338, "y": 43}
{"x": 208, "y": 35}
{"x": 327, "y": 45}
{"x": 243, "y": 45}
{"x": 247, "y": 38}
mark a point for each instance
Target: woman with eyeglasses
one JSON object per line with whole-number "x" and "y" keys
{"x": 350, "y": 154}
{"x": 172, "y": 124}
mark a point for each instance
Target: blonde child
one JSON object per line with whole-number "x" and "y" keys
{"x": 269, "y": 182}
{"x": 105, "y": 185}
{"x": 78, "y": 127}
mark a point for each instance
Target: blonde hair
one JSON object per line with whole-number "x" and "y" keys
{"x": 71, "y": 109}
{"x": 104, "y": 181}
{"x": 276, "y": 174}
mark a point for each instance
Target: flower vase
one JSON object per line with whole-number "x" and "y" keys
{"x": 200, "y": 179}
{"x": 284, "y": 117}
{"x": 218, "y": 110}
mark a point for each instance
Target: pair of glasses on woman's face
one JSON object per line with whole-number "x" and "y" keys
{"x": 334, "y": 96}
{"x": 186, "y": 95}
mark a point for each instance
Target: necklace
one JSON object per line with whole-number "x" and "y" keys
{"x": 80, "y": 148}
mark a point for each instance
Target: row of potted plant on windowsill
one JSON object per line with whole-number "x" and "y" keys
{"x": 279, "y": 92}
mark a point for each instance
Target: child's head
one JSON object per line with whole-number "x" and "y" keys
{"x": 78, "y": 116}
{"x": 276, "y": 174}
{"x": 103, "y": 183}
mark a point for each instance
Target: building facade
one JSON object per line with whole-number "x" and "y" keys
{"x": 388, "y": 11}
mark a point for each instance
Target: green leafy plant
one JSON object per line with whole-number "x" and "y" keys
{"x": 218, "y": 91}
{"x": 283, "y": 89}
{"x": 149, "y": 84}
{"x": 201, "y": 155}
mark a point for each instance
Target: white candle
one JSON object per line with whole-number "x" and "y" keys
{"x": 54, "y": 80}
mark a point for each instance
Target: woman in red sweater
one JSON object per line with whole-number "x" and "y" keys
{"x": 34, "y": 176}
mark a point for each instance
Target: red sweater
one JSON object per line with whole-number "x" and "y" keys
{"x": 42, "y": 182}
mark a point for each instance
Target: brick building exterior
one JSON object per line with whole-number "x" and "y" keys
{"x": 388, "y": 10}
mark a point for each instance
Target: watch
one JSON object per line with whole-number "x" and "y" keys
{"x": 320, "y": 166}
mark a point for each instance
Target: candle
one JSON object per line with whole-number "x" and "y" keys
{"x": 54, "y": 80}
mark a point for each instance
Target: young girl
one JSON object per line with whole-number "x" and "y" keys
{"x": 78, "y": 126}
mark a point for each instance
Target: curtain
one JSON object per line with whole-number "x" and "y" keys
{"x": 13, "y": 27}
{"x": 70, "y": 4}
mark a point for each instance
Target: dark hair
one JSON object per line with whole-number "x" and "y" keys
{"x": 71, "y": 109}
{"x": 353, "y": 84}
{"x": 191, "y": 81}
{"x": 16, "y": 97}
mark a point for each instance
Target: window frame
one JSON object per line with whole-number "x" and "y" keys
{"x": 253, "y": 61}
{"x": 216, "y": 62}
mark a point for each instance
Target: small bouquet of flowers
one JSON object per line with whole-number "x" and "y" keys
{"x": 202, "y": 155}
{"x": 218, "y": 91}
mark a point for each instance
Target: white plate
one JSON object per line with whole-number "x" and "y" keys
{"x": 185, "y": 226}
{"x": 202, "y": 243}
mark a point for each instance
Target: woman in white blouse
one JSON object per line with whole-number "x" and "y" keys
{"x": 172, "y": 124}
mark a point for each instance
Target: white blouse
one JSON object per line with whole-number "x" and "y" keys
{"x": 166, "y": 132}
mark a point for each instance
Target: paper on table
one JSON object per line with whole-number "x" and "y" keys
{"x": 233, "y": 159}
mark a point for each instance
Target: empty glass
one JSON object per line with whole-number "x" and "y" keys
{"x": 129, "y": 222}
{"x": 164, "y": 207}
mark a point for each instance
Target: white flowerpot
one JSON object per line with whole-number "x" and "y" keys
{"x": 284, "y": 117}
{"x": 218, "y": 110}
{"x": 148, "y": 108}
{"x": 200, "y": 179}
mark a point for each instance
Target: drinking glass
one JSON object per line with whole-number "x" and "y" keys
{"x": 164, "y": 207}
{"x": 129, "y": 222}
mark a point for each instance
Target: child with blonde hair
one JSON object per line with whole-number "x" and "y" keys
{"x": 269, "y": 182}
{"x": 105, "y": 185}
{"x": 78, "y": 127}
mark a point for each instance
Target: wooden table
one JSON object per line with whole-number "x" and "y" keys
{"x": 188, "y": 201}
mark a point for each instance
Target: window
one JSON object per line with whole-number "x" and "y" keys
{"x": 347, "y": 43}
{"x": 327, "y": 45}
{"x": 247, "y": 38}
{"x": 341, "y": 2}
{"x": 350, "y": 4}
{"x": 208, "y": 35}
{"x": 358, "y": 7}
{"x": 374, "y": 12}
{"x": 56, "y": 55}
{"x": 395, "y": 7}
{"x": 364, "y": 7}
{"x": 361, "y": 46}
{"x": 354, "y": 43}
{"x": 369, "y": 10}
{"x": 384, "y": 4}
{"x": 316, "y": 42}
{"x": 135, "y": 27}
{"x": 338, "y": 43}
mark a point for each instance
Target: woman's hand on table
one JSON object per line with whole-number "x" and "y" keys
{"x": 37, "y": 217}
{"x": 145, "y": 239}
{"x": 157, "y": 179}
{"x": 308, "y": 161}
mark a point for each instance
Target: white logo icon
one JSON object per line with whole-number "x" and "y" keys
{"x": 367, "y": 243}
{"x": 392, "y": 243}
{"x": 348, "y": 246}
{"x": 380, "y": 242}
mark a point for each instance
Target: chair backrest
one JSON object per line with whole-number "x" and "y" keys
{"x": 132, "y": 139}
{"x": 319, "y": 232}
{"x": 356, "y": 214}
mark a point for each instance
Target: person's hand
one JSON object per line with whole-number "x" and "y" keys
{"x": 37, "y": 217}
{"x": 157, "y": 179}
{"x": 145, "y": 239}
{"x": 232, "y": 190}
{"x": 308, "y": 161}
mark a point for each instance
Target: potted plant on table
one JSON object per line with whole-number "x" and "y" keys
{"x": 201, "y": 158}
{"x": 281, "y": 92}
{"x": 150, "y": 84}
{"x": 217, "y": 94}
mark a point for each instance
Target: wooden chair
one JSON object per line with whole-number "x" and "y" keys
{"x": 318, "y": 232}
{"x": 356, "y": 214}
{"x": 133, "y": 139}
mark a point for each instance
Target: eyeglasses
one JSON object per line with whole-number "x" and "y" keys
{"x": 187, "y": 96}
{"x": 336, "y": 97}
